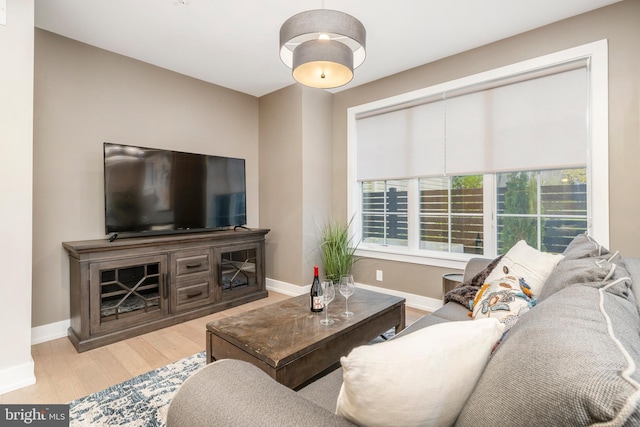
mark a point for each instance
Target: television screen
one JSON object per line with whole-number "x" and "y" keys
{"x": 149, "y": 190}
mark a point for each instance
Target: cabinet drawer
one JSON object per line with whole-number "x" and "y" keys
{"x": 193, "y": 294}
{"x": 188, "y": 264}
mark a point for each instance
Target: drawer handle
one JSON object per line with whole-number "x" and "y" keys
{"x": 194, "y": 265}
{"x": 194, "y": 294}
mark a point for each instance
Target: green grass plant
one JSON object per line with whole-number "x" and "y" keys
{"x": 338, "y": 249}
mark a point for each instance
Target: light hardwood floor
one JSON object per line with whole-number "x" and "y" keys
{"x": 63, "y": 375}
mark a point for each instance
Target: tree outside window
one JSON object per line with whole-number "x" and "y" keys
{"x": 547, "y": 208}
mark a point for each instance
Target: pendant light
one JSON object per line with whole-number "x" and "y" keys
{"x": 322, "y": 47}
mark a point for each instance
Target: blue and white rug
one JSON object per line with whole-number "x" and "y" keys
{"x": 140, "y": 401}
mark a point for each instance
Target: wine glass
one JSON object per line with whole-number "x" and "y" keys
{"x": 347, "y": 288}
{"x": 328, "y": 294}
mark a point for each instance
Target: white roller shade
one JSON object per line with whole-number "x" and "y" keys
{"x": 529, "y": 125}
{"x": 524, "y": 122}
{"x": 401, "y": 144}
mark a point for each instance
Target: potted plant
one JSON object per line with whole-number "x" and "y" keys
{"x": 337, "y": 249}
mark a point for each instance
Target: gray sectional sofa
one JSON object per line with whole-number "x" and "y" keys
{"x": 573, "y": 359}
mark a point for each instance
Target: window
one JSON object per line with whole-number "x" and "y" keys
{"x": 384, "y": 213}
{"x": 471, "y": 166}
{"x": 545, "y": 208}
{"x": 451, "y": 214}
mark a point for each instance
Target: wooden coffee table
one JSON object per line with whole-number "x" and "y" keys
{"x": 287, "y": 341}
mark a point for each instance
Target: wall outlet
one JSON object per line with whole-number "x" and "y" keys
{"x": 379, "y": 275}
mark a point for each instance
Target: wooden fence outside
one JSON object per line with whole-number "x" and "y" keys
{"x": 560, "y": 206}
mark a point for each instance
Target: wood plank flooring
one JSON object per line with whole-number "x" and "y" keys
{"x": 64, "y": 375}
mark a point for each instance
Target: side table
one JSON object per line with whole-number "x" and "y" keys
{"x": 450, "y": 281}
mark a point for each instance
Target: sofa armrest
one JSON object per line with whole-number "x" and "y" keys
{"x": 235, "y": 393}
{"x": 475, "y": 266}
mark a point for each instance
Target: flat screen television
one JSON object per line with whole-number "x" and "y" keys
{"x": 154, "y": 191}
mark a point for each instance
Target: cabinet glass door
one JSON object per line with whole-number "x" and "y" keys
{"x": 127, "y": 294}
{"x": 238, "y": 270}
{"x": 129, "y": 290}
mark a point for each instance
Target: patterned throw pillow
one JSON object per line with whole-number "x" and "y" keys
{"x": 505, "y": 299}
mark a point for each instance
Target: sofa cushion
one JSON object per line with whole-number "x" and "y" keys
{"x": 324, "y": 390}
{"x": 529, "y": 263}
{"x": 570, "y": 361}
{"x": 451, "y": 311}
{"x": 419, "y": 379}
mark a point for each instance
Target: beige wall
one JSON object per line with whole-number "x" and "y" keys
{"x": 280, "y": 182}
{"x": 317, "y": 176}
{"x": 620, "y": 24}
{"x": 85, "y": 96}
{"x": 295, "y": 179}
{"x": 16, "y": 149}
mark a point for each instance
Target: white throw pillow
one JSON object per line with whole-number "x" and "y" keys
{"x": 420, "y": 379}
{"x": 524, "y": 261}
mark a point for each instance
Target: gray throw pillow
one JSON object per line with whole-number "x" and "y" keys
{"x": 573, "y": 272}
{"x": 585, "y": 261}
{"x": 632, "y": 265}
{"x": 584, "y": 246}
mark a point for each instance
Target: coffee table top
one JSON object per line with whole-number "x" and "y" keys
{"x": 281, "y": 332}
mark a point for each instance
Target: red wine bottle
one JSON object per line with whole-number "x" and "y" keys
{"x": 316, "y": 292}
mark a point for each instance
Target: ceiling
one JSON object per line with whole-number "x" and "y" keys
{"x": 235, "y": 44}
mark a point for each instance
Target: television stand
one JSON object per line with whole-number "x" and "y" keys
{"x": 127, "y": 287}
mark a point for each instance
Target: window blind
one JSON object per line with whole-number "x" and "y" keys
{"x": 536, "y": 120}
{"x": 401, "y": 143}
{"x": 530, "y": 125}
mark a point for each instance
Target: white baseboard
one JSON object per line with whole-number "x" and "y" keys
{"x": 16, "y": 377}
{"x": 56, "y": 330}
{"x": 287, "y": 288}
{"x": 414, "y": 301}
{"x": 49, "y": 332}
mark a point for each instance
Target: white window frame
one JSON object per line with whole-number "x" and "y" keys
{"x": 597, "y": 149}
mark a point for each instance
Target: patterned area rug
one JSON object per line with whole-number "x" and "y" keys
{"x": 140, "y": 401}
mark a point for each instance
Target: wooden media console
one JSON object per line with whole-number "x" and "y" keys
{"x": 132, "y": 286}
